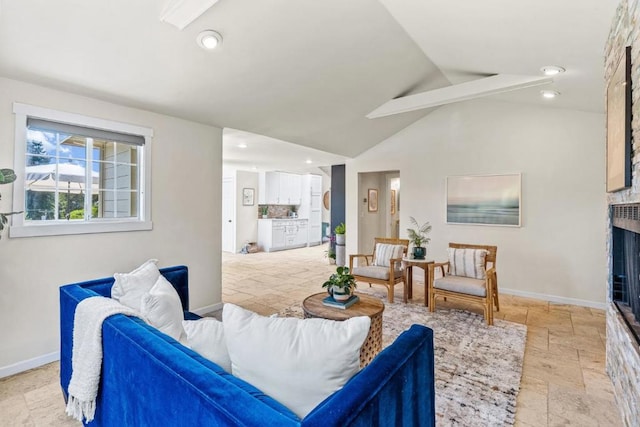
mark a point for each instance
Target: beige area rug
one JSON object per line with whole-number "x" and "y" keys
{"x": 478, "y": 367}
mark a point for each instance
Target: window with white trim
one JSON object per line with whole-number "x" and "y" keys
{"x": 78, "y": 174}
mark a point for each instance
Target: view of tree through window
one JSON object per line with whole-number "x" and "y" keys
{"x": 74, "y": 177}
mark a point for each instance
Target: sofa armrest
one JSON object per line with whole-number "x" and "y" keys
{"x": 71, "y": 295}
{"x": 396, "y": 389}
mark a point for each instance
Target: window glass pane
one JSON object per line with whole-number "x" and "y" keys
{"x": 118, "y": 184}
{"x": 40, "y": 205}
{"x": 118, "y": 204}
{"x": 57, "y": 175}
{"x": 73, "y": 148}
{"x": 41, "y": 147}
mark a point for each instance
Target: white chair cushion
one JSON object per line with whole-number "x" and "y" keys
{"x": 375, "y": 272}
{"x": 129, "y": 288}
{"x": 162, "y": 308}
{"x": 461, "y": 285}
{"x": 206, "y": 336}
{"x": 298, "y": 362}
{"x": 385, "y": 252}
{"x": 467, "y": 262}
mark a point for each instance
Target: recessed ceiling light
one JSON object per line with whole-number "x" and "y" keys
{"x": 209, "y": 39}
{"x": 549, "y": 94}
{"x": 309, "y": 162}
{"x": 242, "y": 145}
{"x": 552, "y": 70}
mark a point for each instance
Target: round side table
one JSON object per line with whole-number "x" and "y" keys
{"x": 367, "y": 306}
{"x": 408, "y": 264}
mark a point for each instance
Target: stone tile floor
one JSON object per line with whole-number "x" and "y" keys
{"x": 563, "y": 383}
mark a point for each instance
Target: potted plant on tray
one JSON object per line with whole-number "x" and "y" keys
{"x": 418, "y": 237}
{"x": 340, "y": 284}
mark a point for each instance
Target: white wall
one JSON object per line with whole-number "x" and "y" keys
{"x": 186, "y": 193}
{"x": 558, "y": 252}
{"x": 246, "y": 216}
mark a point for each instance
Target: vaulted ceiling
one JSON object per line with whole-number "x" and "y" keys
{"x": 304, "y": 71}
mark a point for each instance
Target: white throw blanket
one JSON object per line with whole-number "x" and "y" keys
{"x": 86, "y": 359}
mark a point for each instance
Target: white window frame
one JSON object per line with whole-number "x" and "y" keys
{"x": 21, "y": 228}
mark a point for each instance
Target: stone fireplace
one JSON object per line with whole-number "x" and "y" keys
{"x": 625, "y": 264}
{"x": 623, "y": 312}
{"x": 623, "y": 233}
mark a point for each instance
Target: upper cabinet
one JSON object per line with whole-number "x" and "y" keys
{"x": 279, "y": 188}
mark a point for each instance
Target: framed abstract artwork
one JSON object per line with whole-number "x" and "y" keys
{"x": 619, "y": 125}
{"x": 484, "y": 200}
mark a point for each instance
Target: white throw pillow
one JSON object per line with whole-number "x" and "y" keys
{"x": 385, "y": 252}
{"x": 467, "y": 263}
{"x": 206, "y": 336}
{"x": 298, "y": 362}
{"x": 162, "y": 308}
{"x": 129, "y": 288}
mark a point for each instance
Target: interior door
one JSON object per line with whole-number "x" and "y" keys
{"x": 228, "y": 214}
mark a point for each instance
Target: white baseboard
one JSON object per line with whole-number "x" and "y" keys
{"x": 25, "y": 365}
{"x": 207, "y": 309}
{"x": 555, "y": 298}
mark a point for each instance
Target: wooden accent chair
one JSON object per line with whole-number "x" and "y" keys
{"x": 466, "y": 282}
{"x": 384, "y": 265}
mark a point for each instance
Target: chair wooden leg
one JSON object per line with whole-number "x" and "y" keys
{"x": 432, "y": 302}
{"x": 390, "y": 294}
{"x": 488, "y": 311}
{"x": 495, "y": 291}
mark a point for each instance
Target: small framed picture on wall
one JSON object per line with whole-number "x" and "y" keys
{"x": 393, "y": 202}
{"x": 373, "y": 200}
{"x": 248, "y": 196}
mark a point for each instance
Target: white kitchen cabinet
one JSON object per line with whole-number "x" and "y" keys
{"x": 292, "y": 189}
{"x": 279, "y": 234}
{"x": 272, "y": 186}
{"x": 301, "y": 234}
{"x": 311, "y": 207}
{"x": 279, "y": 188}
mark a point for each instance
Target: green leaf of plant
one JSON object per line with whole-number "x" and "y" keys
{"x": 7, "y": 176}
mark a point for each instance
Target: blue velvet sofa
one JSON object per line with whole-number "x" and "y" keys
{"x": 149, "y": 379}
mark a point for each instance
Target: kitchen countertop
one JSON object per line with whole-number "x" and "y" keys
{"x": 286, "y": 219}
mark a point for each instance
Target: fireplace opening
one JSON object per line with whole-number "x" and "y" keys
{"x": 625, "y": 289}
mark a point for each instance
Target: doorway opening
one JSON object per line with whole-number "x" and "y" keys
{"x": 378, "y": 207}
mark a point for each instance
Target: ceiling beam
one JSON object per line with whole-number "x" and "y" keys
{"x": 181, "y": 13}
{"x": 456, "y": 93}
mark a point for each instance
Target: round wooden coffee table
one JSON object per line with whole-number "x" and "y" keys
{"x": 367, "y": 306}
